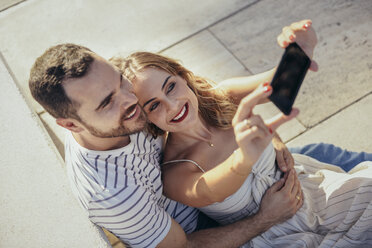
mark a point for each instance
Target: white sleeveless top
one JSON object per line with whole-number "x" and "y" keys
{"x": 246, "y": 200}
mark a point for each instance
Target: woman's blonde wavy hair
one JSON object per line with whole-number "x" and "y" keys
{"x": 214, "y": 105}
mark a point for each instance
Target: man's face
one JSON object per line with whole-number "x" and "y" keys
{"x": 107, "y": 106}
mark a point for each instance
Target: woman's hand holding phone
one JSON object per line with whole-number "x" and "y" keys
{"x": 304, "y": 35}
{"x": 299, "y": 40}
{"x": 252, "y": 133}
{"x": 288, "y": 77}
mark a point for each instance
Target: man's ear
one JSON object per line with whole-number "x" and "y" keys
{"x": 70, "y": 124}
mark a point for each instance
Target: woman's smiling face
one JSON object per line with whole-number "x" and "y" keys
{"x": 168, "y": 101}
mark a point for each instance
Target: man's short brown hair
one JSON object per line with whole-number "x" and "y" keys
{"x": 58, "y": 64}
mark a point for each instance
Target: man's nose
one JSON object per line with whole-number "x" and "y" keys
{"x": 127, "y": 99}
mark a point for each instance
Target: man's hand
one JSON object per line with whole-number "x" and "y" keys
{"x": 284, "y": 158}
{"x": 304, "y": 35}
{"x": 281, "y": 201}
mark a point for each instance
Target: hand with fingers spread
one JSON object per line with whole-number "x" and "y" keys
{"x": 304, "y": 35}
{"x": 252, "y": 134}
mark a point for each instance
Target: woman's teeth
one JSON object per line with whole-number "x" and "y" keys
{"x": 180, "y": 114}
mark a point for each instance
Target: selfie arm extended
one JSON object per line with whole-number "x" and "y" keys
{"x": 239, "y": 87}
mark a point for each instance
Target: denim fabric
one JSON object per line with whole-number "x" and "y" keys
{"x": 204, "y": 222}
{"x": 331, "y": 154}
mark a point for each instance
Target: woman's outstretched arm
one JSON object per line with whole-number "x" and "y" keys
{"x": 239, "y": 87}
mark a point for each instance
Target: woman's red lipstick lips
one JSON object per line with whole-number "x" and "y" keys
{"x": 186, "y": 106}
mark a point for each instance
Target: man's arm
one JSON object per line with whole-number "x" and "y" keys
{"x": 278, "y": 204}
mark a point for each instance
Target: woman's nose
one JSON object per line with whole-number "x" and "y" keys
{"x": 171, "y": 105}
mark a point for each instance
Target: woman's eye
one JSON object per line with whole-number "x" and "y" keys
{"x": 153, "y": 106}
{"x": 171, "y": 87}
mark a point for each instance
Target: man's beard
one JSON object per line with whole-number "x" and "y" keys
{"x": 120, "y": 131}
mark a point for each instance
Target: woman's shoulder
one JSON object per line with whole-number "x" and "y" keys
{"x": 187, "y": 157}
{"x": 178, "y": 152}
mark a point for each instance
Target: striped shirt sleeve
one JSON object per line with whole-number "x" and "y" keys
{"x": 132, "y": 214}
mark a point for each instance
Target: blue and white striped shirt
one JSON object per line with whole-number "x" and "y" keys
{"x": 122, "y": 190}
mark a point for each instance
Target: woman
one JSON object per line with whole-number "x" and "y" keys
{"x": 228, "y": 179}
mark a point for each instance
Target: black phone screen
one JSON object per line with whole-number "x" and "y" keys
{"x": 288, "y": 77}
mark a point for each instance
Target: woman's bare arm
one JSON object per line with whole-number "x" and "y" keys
{"x": 239, "y": 87}
{"x": 278, "y": 204}
{"x": 185, "y": 183}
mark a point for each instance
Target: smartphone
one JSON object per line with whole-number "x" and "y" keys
{"x": 288, "y": 77}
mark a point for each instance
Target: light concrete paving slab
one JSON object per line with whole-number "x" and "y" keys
{"x": 37, "y": 208}
{"x": 108, "y": 28}
{"x": 349, "y": 129}
{"x": 56, "y": 132}
{"x": 205, "y": 56}
{"x": 344, "y": 50}
{"x": 8, "y": 3}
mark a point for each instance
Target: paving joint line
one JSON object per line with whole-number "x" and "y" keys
{"x": 208, "y": 26}
{"x": 12, "y": 75}
{"x": 17, "y": 84}
{"x": 240, "y": 62}
{"x": 11, "y": 6}
{"x": 328, "y": 117}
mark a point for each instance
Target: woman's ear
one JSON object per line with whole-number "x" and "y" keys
{"x": 70, "y": 124}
